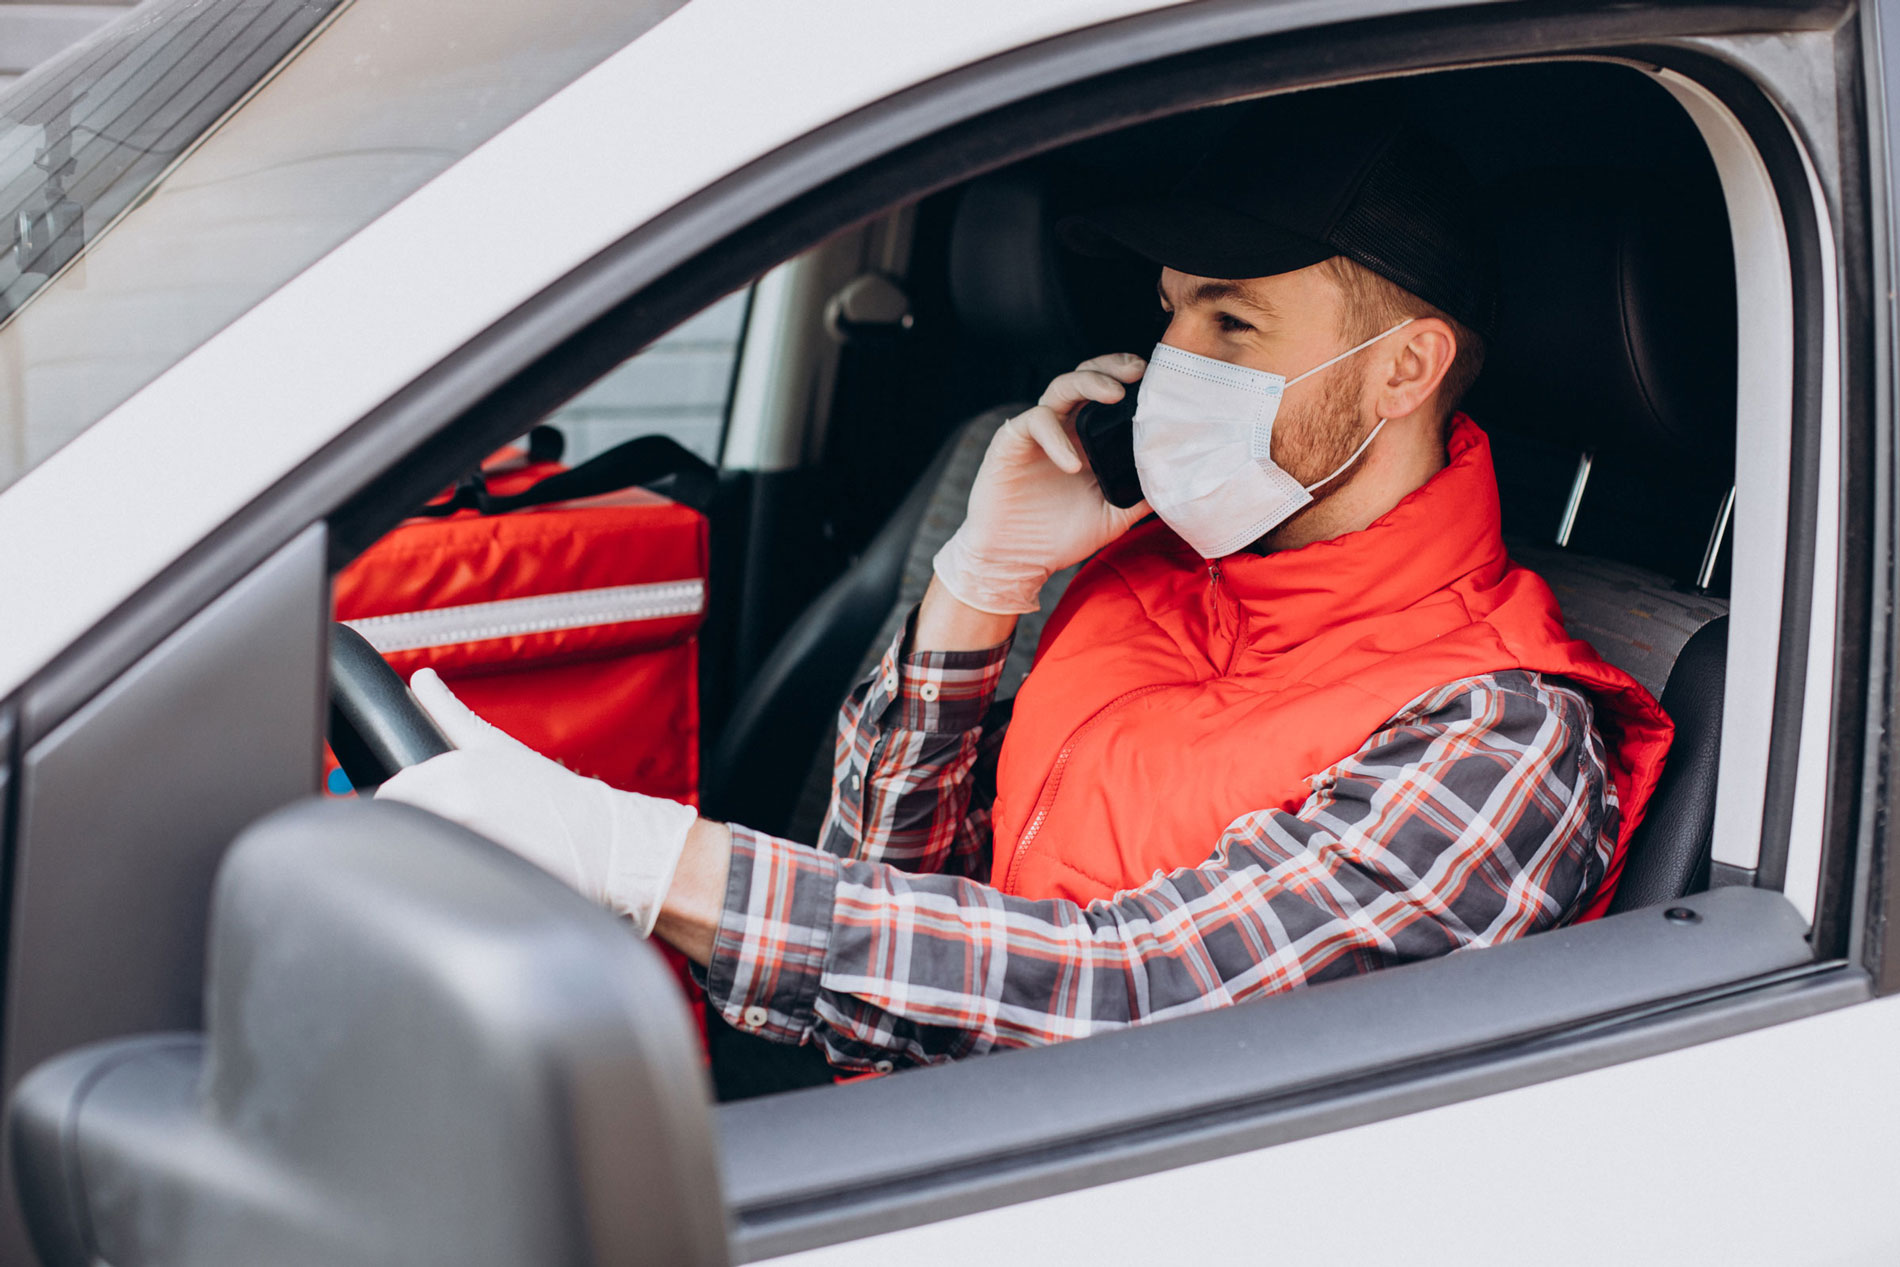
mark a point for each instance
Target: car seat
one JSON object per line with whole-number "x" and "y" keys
{"x": 1616, "y": 357}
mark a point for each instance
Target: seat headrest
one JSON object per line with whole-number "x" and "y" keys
{"x": 1013, "y": 284}
{"x": 1616, "y": 318}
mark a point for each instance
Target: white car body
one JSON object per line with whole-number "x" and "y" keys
{"x": 1775, "y": 1144}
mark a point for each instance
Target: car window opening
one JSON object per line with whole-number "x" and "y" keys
{"x": 852, "y": 391}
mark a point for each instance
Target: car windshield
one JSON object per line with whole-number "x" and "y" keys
{"x": 163, "y": 176}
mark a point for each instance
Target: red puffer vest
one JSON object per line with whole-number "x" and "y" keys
{"x": 1170, "y": 696}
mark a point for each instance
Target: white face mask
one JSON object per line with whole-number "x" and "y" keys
{"x": 1204, "y": 448}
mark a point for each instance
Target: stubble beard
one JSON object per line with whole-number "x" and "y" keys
{"x": 1312, "y": 443}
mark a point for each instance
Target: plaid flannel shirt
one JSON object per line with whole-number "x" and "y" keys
{"x": 1480, "y": 812}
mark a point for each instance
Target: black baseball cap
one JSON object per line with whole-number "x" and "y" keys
{"x": 1302, "y": 179}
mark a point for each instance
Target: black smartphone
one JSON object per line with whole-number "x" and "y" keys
{"x": 1107, "y": 433}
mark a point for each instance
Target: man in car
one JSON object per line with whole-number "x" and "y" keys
{"x": 1304, "y": 721}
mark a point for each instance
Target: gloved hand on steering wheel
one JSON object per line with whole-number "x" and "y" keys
{"x": 1035, "y": 507}
{"x": 618, "y": 848}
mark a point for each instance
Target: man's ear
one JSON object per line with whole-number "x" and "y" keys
{"x": 1422, "y": 354}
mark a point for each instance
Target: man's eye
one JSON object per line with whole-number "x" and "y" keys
{"x": 1231, "y": 324}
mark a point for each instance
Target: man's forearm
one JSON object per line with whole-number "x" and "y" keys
{"x": 944, "y": 623}
{"x": 690, "y": 915}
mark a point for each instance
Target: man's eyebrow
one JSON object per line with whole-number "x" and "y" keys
{"x": 1213, "y": 291}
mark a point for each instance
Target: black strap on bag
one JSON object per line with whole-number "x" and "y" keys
{"x": 647, "y": 462}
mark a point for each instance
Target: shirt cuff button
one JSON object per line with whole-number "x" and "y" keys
{"x": 890, "y": 683}
{"x": 928, "y": 692}
{"x": 755, "y": 1017}
{"x": 883, "y": 1066}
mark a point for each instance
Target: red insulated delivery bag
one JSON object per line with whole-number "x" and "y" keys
{"x": 572, "y": 625}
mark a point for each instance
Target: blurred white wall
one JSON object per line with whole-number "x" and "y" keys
{"x": 680, "y": 385}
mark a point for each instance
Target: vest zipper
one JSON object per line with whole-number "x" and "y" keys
{"x": 1045, "y": 799}
{"x": 1239, "y": 615}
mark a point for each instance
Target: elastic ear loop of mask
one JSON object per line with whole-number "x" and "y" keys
{"x": 1374, "y": 433}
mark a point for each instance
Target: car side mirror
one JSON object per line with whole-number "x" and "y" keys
{"x": 418, "y": 1049}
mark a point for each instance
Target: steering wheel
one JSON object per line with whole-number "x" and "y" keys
{"x": 376, "y": 725}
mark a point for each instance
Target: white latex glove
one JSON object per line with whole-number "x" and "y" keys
{"x": 1035, "y": 507}
{"x": 618, "y": 848}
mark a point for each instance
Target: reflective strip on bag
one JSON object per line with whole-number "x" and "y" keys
{"x": 541, "y": 613}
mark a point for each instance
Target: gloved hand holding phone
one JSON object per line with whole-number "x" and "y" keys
{"x": 1036, "y": 507}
